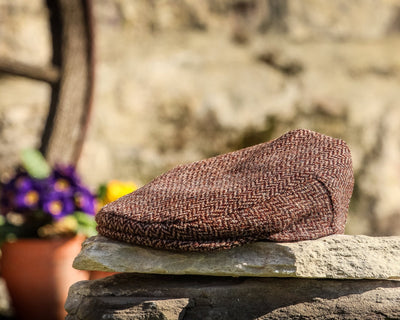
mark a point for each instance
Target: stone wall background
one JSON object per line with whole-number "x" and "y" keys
{"x": 181, "y": 80}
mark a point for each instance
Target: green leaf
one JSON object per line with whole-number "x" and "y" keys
{"x": 86, "y": 223}
{"x": 35, "y": 164}
{"x": 102, "y": 191}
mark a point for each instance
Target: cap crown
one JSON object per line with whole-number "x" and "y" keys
{"x": 296, "y": 187}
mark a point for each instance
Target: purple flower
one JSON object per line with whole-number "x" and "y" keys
{"x": 64, "y": 180}
{"x": 19, "y": 194}
{"x": 67, "y": 173}
{"x": 58, "y": 195}
{"x": 23, "y": 183}
{"x": 62, "y": 185}
{"x": 85, "y": 201}
{"x": 58, "y": 205}
{"x": 26, "y": 200}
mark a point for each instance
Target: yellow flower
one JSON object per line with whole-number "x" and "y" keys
{"x": 116, "y": 189}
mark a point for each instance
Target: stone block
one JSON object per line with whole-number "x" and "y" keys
{"x": 333, "y": 257}
{"x": 151, "y": 297}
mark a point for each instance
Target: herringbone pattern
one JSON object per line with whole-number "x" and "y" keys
{"x": 296, "y": 187}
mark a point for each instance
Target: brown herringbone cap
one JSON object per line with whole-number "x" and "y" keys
{"x": 296, "y": 187}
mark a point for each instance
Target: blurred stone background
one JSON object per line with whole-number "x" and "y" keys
{"x": 181, "y": 80}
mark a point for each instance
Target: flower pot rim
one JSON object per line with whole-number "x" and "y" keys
{"x": 42, "y": 240}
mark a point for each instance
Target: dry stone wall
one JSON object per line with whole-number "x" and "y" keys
{"x": 179, "y": 81}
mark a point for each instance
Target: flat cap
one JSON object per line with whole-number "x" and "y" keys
{"x": 296, "y": 187}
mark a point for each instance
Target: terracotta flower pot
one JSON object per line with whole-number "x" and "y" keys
{"x": 39, "y": 273}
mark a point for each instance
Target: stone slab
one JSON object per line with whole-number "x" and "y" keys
{"x": 333, "y": 257}
{"x": 133, "y": 296}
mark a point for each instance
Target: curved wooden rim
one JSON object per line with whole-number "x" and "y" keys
{"x": 71, "y": 101}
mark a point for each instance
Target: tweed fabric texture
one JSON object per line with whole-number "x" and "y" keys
{"x": 296, "y": 187}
